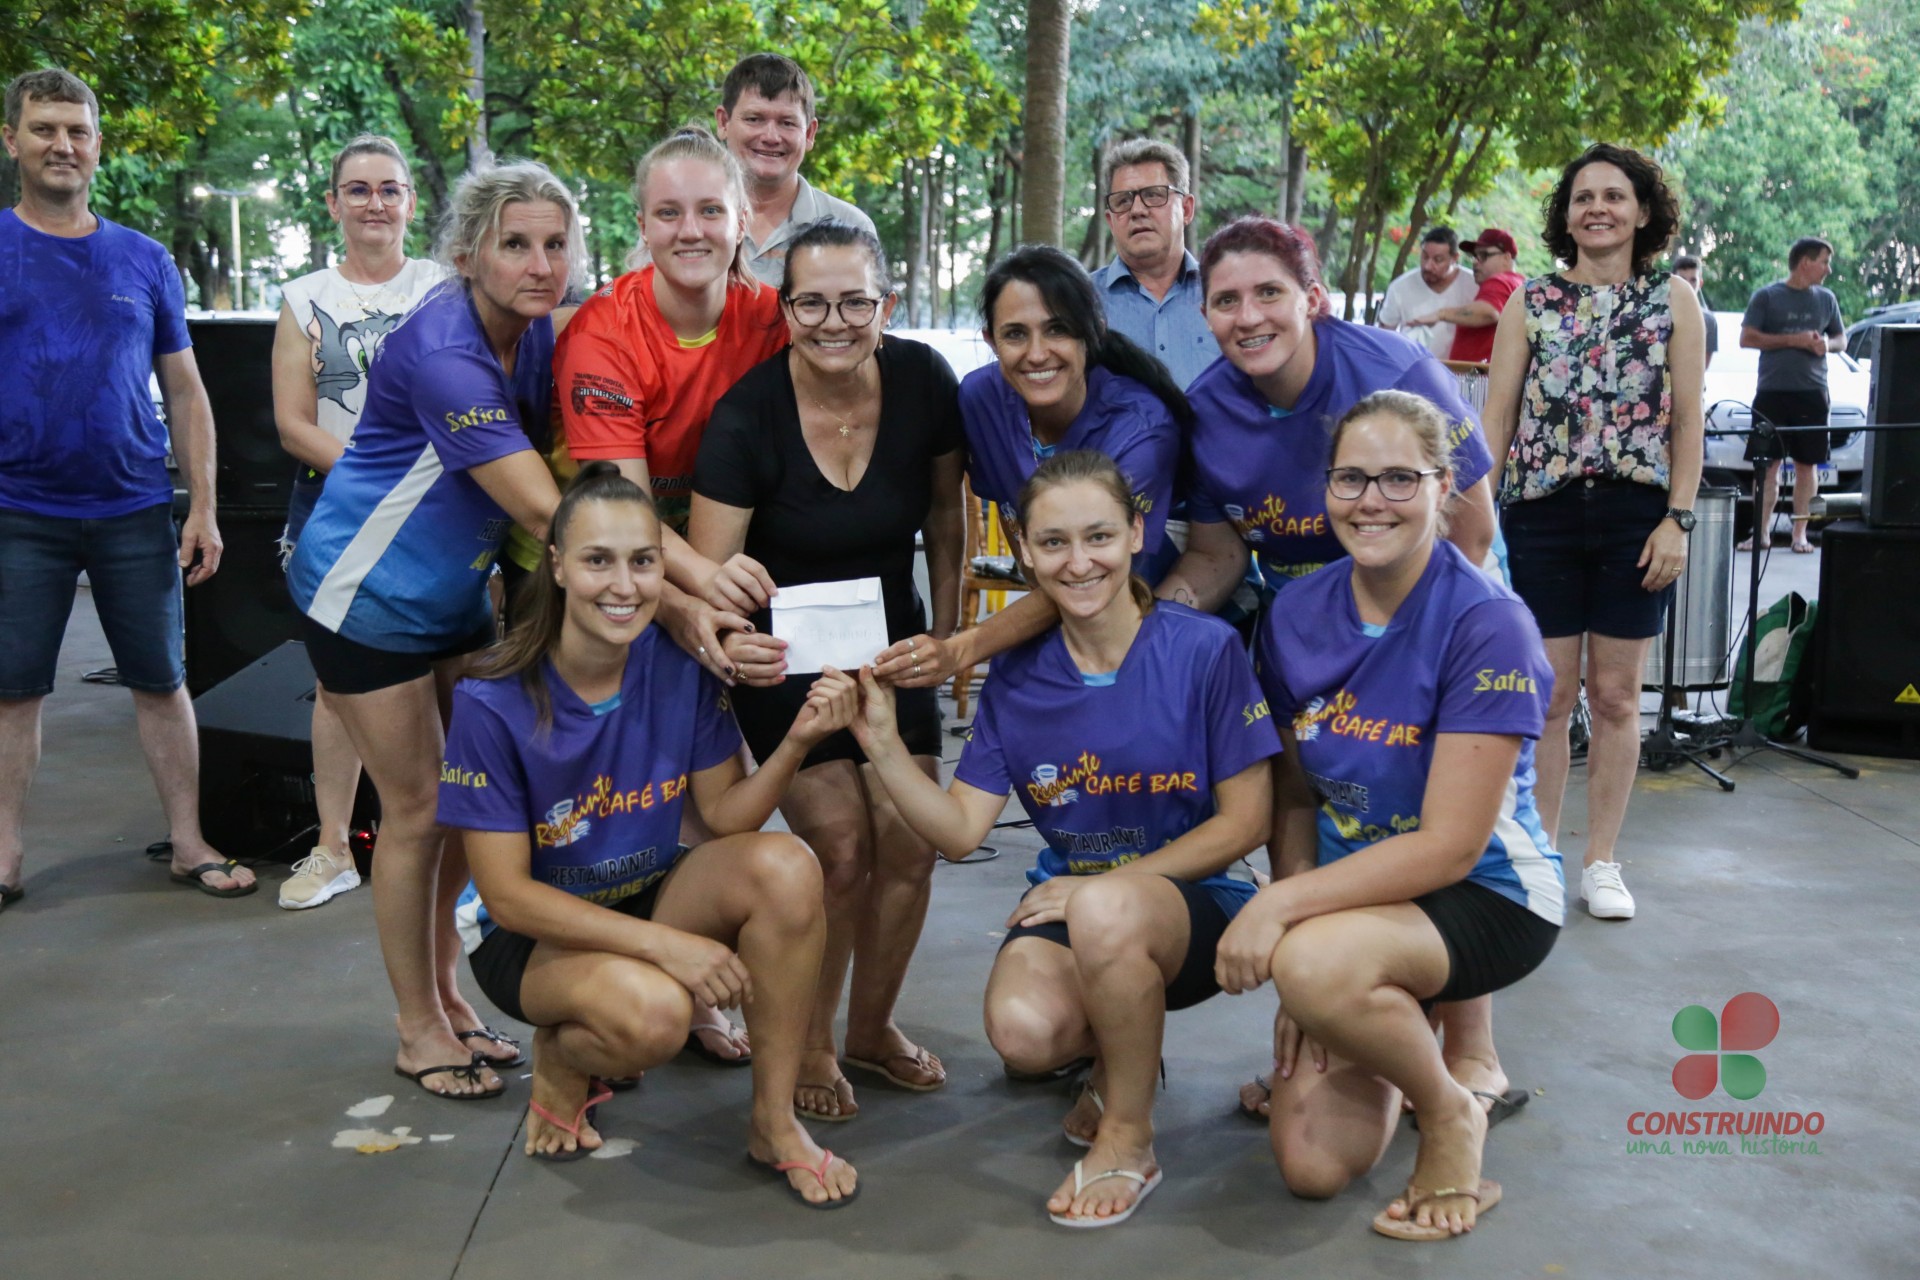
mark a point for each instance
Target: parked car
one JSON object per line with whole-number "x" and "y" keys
{"x": 1729, "y": 396}
{"x": 1860, "y": 332}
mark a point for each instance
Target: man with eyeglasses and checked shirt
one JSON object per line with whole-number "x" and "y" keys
{"x": 1493, "y": 252}
{"x": 1152, "y": 287}
{"x": 89, "y": 311}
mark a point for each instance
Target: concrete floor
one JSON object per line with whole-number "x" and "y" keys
{"x": 174, "y": 1071}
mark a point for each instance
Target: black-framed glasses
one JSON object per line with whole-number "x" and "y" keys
{"x": 1481, "y": 255}
{"x": 358, "y": 194}
{"x": 1397, "y": 484}
{"x": 811, "y": 309}
{"x": 1154, "y": 197}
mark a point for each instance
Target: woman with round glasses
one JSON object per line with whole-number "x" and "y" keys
{"x": 1410, "y": 865}
{"x": 821, "y": 465}
{"x": 331, "y": 322}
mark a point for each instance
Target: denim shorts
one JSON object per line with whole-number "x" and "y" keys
{"x": 1573, "y": 553}
{"x": 132, "y": 563}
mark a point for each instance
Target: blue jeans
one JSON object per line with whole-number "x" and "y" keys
{"x": 131, "y": 562}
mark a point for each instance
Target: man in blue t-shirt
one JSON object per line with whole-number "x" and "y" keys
{"x": 89, "y": 310}
{"x": 1151, "y": 289}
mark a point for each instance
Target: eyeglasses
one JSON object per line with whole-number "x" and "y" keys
{"x": 811, "y": 309}
{"x": 1153, "y": 197}
{"x": 1481, "y": 255}
{"x": 1397, "y": 484}
{"x": 359, "y": 194}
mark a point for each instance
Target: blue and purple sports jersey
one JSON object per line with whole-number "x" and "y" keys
{"x": 82, "y": 320}
{"x": 397, "y": 553}
{"x": 1263, "y": 469}
{"x": 600, "y": 794}
{"x": 1462, "y": 655}
{"x": 1112, "y": 772}
{"x": 1121, "y": 418}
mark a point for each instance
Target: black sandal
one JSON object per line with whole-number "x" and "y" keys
{"x": 469, "y": 1071}
{"x": 519, "y": 1058}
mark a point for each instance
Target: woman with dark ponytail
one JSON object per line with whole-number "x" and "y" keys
{"x": 570, "y": 757}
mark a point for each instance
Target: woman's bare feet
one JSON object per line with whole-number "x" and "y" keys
{"x": 777, "y": 1144}
{"x": 1100, "y": 1197}
{"x": 823, "y": 1091}
{"x": 899, "y": 1059}
{"x": 1256, "y": 1097}
{"x": 563, "y": 1094}
{"x": 719, "y": 1039}
{"x": 462, "y": 1016}
{"x": 1082, "y": 1125}
{"x": 1452, "y": 1142}
{"x": 461, "y": 1076}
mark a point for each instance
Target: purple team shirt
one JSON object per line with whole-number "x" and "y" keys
{"x": 599, "y": 795}
{"x": 1121, "y": 419}
{"x": 1462, "y": 655}
{"x": 1112, "y": 773}
{"x": 1263, "y": 469}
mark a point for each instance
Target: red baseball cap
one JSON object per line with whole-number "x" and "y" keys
{"x": 1492, "y": 238}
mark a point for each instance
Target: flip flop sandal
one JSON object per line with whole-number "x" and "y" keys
{"x": 698, "y": 1047}
{"x": 833, "y": 1087}
{"x": 1099, "y": 1105}
{"x": 597, "y": 1093}
{"x": 1253, "y": 1113}
{"x": 621, "y": 1084}
{"x": 468, "y": 1071}
{"x": 1068, "y": 1071}
{"x": 519, "y": 1058}
{"x": 820, "y": 1173}
{"x": 920, "y": 1058}
{"x": 1407, "y": 1229}
{"x": 1500, "y": 1106}
{"x": 196, "y": 878}
{"x": 1081, "y": 1182}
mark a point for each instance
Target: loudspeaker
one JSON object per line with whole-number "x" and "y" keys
{"x": 1890, "y": 480}
{"x": 256, "y": 760}
{"x": 243, "y": 611}
{"x": 1866, "y": 644}
{"x": 235, "y": 355}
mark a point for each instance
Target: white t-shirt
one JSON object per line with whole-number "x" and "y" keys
{"x": 345, "y": 322}
{"x": 1409, "y": 296}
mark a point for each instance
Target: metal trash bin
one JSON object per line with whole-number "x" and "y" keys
{"x": 1703, "y": 607}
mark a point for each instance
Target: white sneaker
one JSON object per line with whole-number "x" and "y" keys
{"x": 1606, "y": 894}
{"x": 317, "y": 878}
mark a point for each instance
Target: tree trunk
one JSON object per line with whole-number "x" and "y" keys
{"x": 1093, "y": 245}
{"x": 1296, "y": 181}
{"x": 478, "y": 152}
{"x": 426, "y": 141}
{"x": 1044, "y": 120}
{"x": 1192, "y": 149}
{"x": 916, "y": 238}
{"x": 923, "y": 227}
{"x": 996, "y": 200}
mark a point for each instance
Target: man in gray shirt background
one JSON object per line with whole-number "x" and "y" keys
{"x": 766, "y": 119}
{"x": 1793, "y": 323}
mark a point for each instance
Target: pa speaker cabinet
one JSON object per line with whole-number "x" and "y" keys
{"x": 256, "y": 760}
{"x": 1866, "y": 644}
{"x": 235, "y": 355}
{"x": 243, "y": 612}
{"x": 1890, "y": 480}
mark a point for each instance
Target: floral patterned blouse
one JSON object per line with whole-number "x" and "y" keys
{"x": 1598, "y": 399}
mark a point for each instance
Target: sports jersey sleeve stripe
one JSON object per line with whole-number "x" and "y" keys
{"x": 1520, "y": 863}
{"x": 341, "y": 583}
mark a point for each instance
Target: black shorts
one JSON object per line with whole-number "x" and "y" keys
{"x": 500, "y": 961}
{"x": 1796, "y": 409}
{"x": 765, "y": 715}
{"x": 1207, "y": 920}
{"x": 1492, "y": 941}
{"x": 1574, "y": 554}
{"x": 347, "y": 666}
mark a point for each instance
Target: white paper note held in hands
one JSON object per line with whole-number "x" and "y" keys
{"x": 842, "y": 625}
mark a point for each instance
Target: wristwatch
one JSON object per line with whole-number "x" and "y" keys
{"x": 1682, "y": 517}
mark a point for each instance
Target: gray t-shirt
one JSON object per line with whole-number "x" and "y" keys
{"x": 1780, "y": 308}
{"x": 769, "y": 260}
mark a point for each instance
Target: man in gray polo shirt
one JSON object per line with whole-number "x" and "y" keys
{"x": 1794, "y": 323}
{"x": 766, "y": 119}
{"x": 1152, "y": 287}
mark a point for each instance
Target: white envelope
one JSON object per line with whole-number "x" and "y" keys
{"x": 830, "y": 624}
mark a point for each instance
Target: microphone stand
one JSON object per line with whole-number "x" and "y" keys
{"x": 1763, "y": 448}
{"x": 1664, "y": 744}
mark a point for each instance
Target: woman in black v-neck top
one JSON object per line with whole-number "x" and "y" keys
{"x": 822, "y": 463}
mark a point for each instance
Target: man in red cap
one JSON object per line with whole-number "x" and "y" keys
{"x": 1492, "y": 253}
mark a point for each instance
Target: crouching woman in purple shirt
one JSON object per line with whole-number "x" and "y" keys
{"x": 1411, "y": 867}
{"x": 1138, "y": 742}
{"x": 569, "y": 760}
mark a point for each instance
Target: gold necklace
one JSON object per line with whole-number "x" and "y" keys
{"x": 846, "y": 420}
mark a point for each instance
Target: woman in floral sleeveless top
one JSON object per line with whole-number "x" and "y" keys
{"x": 1594, "y": 404}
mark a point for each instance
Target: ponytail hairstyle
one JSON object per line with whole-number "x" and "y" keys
{"x": 369, "y": 144}
{"x": 1090, "y": 466}
{"x": 694, "y": 143}
{"x": 471, "y": 223}
{"x": 540, "y": 606}
{"x": 1292, "y": 247}
{"x": 1068, "y": 291}
{"x": 1423, "y": 420}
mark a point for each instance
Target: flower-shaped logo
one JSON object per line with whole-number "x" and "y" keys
{"x": 1721, "y": 1050}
